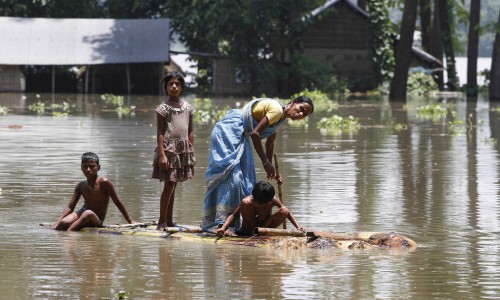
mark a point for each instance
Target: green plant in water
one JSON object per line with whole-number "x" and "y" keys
{"x": 495, "y": 109}
{"x": 337, "y": 124}
{"x": 38, "y": 108}
{"x": 398, "y": 127}
{"x": 491, "y": 140}
{"x": 117, "y": 102}
{"x": 299, "y": 123}
{"x": 434, "y": 112}
{"x": 123, "y": 295}
{"x": 125, "y": 110}
{"x": 456, "y": 126}
{"x": 420, "y": 83}
{"x": 203, "y": 103}
{"x": 58, "y": 114}
{"x": 112, "y": 100}
{"x": 322, "y": 103}
{"x": 210, "y": 116}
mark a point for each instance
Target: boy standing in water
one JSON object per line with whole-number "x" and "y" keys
{"x": 256, "y": 211}
{"x": 96, "y": 192}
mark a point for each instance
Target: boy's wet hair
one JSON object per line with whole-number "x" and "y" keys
{"x": 166, "y": 78}
{"x": 263, "y": 192}
{"x": 90, "y": 156}
{"x": 304, "y": 99}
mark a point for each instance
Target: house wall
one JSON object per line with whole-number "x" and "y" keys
{"x": 224, "y": 78}
{"x": 339, "y": 35}
{"x": 11, "y": 79}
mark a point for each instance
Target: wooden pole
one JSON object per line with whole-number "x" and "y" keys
{"x": 53, "y": 80}
{"x": 87, "y": 70}
{"x": 280, "y": 193}
{"x": 278, "y": 232}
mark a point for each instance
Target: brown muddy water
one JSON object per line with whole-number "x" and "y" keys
{"x": 433, "y": 182}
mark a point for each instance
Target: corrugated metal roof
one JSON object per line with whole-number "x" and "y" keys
{"x": 40, "y": 41}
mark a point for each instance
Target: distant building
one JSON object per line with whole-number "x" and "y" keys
{"x": 104, "y": 55}
{"x": 338, "y": 34}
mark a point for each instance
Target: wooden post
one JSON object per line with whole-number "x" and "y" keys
{"x": 128, "y": 79}
{"x": 280, "y": 193}
{"x": 87, "y": 70}
{"x": 53, "y": 79}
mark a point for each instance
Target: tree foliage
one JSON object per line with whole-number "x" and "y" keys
{"x": 254, "y": 34}
{"x": 381, "y": 41}
{"x": 82, "y": 9}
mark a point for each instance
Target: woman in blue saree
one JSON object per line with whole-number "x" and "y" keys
{"x": 231, "y": 171}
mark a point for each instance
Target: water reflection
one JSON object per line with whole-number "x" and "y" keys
{"x": 438, "y": 187}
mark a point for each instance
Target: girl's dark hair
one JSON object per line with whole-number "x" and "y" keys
{"x": 90, "y": 156}
{"x": 263, "y": 192}
{"x": 166, "y": 78}
{"x": 305, "y": 99}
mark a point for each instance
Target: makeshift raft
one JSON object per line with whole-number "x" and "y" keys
{"x": 266, "y": 237}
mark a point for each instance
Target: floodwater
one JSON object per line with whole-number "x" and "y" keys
{"x": 437, "y": 186}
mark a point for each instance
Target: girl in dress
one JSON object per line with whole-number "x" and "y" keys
{"x": 174, "y": 155}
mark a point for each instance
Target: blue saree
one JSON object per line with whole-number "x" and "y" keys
{"x": 230, "y": 175}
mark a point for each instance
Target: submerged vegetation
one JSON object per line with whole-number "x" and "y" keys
{"x": 322, "y": 102}
{"x": 421, "y": 83}
{"x": 436, "y": 112}
{"x": 206, "y": 113}
{"x": 337, "y": 125}
{"x": 66, "y": 107}
{"x": 57, "y": 109}
{"x": 116, "y": 103}
{"x": 442, "y": 113}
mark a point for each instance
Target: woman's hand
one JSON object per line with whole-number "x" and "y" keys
{"x": 220, "y": 232}
{"x": 279, "y": 179}
{"x": 270, "y": 170}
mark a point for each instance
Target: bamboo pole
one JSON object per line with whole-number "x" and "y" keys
{"x": 278, "y": 232}
{"x": 280, "y": 193}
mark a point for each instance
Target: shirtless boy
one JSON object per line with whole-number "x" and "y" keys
{"x": 96, "y": 192}
{"x": 256, "y": 211}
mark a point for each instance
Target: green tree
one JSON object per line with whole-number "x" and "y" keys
{"x": 134, "y": 9}
{"x": 254, "y": 34}
{"x": 23, "y": 8}
{"x": 381, "y": 39}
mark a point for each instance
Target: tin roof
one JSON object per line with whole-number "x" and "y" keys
{"x": 42, "y": 41}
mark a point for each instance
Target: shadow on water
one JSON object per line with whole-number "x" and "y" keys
{"x": 434, "y": 179}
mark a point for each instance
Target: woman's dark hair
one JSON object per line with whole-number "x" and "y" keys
{"x": 263, "y": 192}
{"x": 90, "y": 156}
{"x": 166, "y": 78}
{"x": 305, "y": 99}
